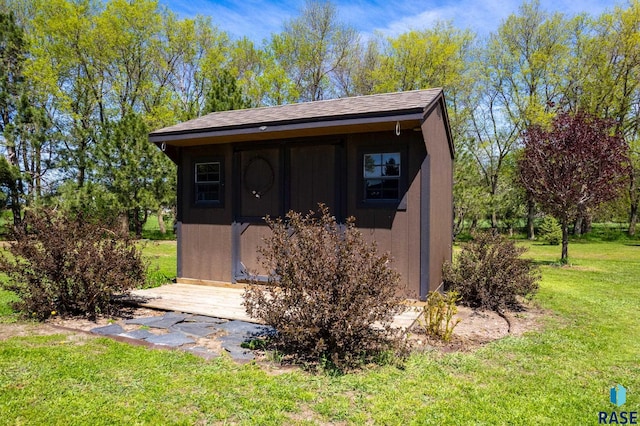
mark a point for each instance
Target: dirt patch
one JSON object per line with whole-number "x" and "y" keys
{"x": 26, "y": 329}
{"x": 477, "y": 328}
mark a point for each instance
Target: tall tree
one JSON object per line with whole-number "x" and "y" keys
{"x": 23, "y": 122}
{"x": 133, "y": 170}
{"x": 577, "y": 164}
{"x": 610, "y": 64}
{"x": 436, "y": 57}
{"x": 225, "y": 94}
{"x": 520, "y": 76}
{"x": 12, "y": 57}
{"x": 313, "y": 48}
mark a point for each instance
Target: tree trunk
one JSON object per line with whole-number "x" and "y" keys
{"x": 15, "y": 208}
{"x": 138, "y": 223}
{"x": 531, "y": 214}
{"x": 161, "y": 225}
{"x": 494, "y": 220}
{"x": 16, "y": 186}
{"x": 564, "y": 258}
{"x": 586, "y": 223}
{"x": 38, "y": 171}
{"x": 123, "y": 220}
{"x": 633, "y": 219}
{"x": 577, "y": 227}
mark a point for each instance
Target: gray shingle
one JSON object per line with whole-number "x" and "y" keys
{"x": 383, "y": 104}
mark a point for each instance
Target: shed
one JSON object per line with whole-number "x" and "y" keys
{"x": 385, "y": 159}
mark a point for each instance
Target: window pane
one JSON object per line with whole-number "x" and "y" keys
{"x": 391, "y": 164}
{"x": 208, "y": 172}
{"x": 381, "y": 176}
{"x": 207, "y": 192}
{"x": 371, "y": 165}
{"x": 373, "y": 189}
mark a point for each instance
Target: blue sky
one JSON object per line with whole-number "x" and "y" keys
{"x": 258, "y": 19}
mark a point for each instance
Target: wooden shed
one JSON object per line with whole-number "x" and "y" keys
{"x": 385, "y": 159}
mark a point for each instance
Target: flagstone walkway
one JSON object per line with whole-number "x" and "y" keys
{"x": 201, "y": 335}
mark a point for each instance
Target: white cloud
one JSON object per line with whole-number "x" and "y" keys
{"x": 259, "y": 19}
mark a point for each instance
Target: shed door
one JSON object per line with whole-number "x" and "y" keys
{"x": 313, "y": 178}
{"x": 309, "y": 177}
{"x": 260, "y": 189}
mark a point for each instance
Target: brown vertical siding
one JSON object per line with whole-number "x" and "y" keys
{"x": 439, "y": 193}
{"x": 250, "y": 240}
{"x": 396, "y": 229}
{"x": 205, "y": 232}
{"x": 206, "y": 252}
{"x": 312, "y": 177}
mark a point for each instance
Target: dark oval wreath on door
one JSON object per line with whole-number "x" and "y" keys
{"x": 258, "y": 176}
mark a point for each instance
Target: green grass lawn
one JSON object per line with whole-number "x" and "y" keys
{"x": 561, "y": 375}
{"x": 161, "y": 256}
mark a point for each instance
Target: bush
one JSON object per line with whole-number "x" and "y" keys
{"x": 327, "y": 290}
{"x": 436, "y": 317}
{"x": 550, "y": 231}
{"x": 70, "y": 266}
{"x": 489, "y": 273}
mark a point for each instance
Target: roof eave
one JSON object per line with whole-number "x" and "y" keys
{"x": 265, "y": 130}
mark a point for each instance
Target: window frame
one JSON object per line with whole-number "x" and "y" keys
{"x": 194, "y": 181}
{"x": 396, "y": 203}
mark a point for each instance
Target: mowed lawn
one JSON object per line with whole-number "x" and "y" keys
{"x": 560, "y": 375}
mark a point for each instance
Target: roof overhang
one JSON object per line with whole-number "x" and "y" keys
{"x": 284, "y": 130}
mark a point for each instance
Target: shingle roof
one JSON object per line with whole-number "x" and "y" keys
{"x": 308, "y": 112}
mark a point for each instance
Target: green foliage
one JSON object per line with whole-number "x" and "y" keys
{"x": 225, "y": 95}
{"x": 436, "y": 317}
{"x": 330, "y": 295}
{"x": 550, "y": 231}
{"x": 69, "y": 266}
{"x": 134, "y": 171}
{"x": 489, "y": 273}
{"x": 92, "y": 201}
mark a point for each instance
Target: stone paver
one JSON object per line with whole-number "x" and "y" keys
{"x": 202, "y": 318}
{"x": 245, "y": 328}
{"x": 108, "y": 330}
{"x": 194, "y": 328}
{"x": 138, "y": 334}
{"x": 142, "y": 320}
{"x": 173, "y": 339}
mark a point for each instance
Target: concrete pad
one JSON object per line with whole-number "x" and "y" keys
{"x": 108, "y": 330}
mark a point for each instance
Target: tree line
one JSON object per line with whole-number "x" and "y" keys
{"x": 83, "y": 81}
